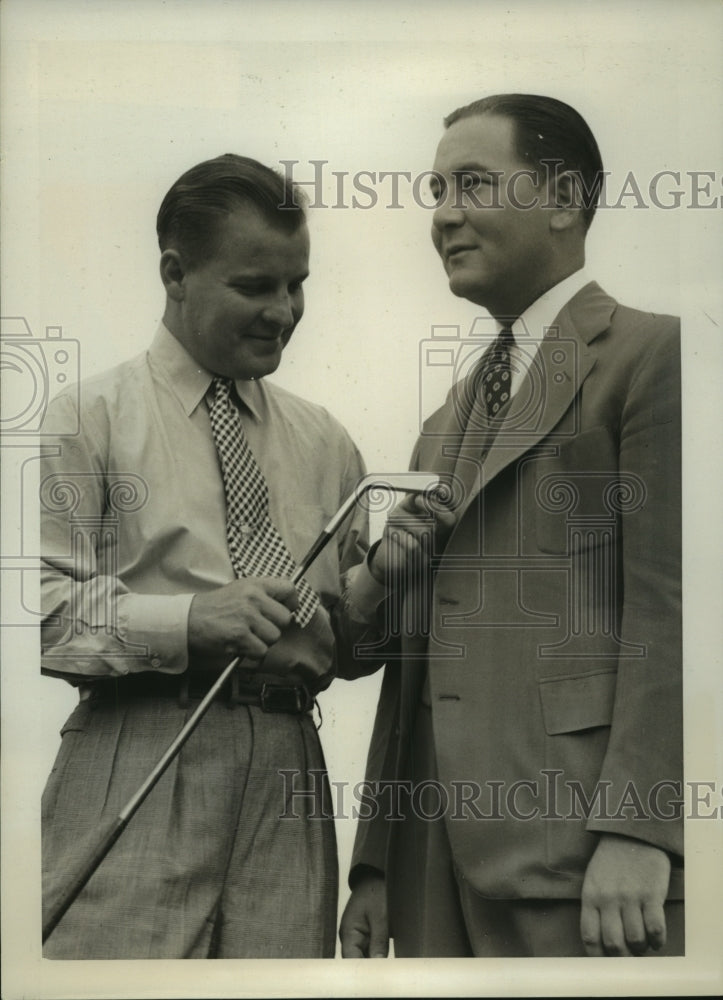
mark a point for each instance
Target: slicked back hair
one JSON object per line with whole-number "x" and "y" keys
{"x": 551, "y": 136}
{"x": 203, "y": 196}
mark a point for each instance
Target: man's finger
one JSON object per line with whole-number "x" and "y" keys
{"x": 431, "y": 503}
{"x": 408, "y": 525}
{"x": 411, "y": 536}
{"x": 264, "y": 629}
{"x": 408, "y": 503}
{"x": 655, "y": 927}
{"x": 634, "y": 928}
{"x": 281, "y": 590}
{"x": 612, "y": 933}
{"x": 353, "y": 943}
{"x": 249, "y": 646}
{"x": 379, "y": 945}
{"x": 590, "y": 931}
{"x": 277, "y": 610}
{"x": 404, "y": 544}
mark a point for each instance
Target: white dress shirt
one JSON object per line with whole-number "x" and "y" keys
{"x": 133, "y": 514}
{"x": 530, "y": 328}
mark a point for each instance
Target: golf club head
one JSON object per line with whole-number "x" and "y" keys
{"x": 379, "y": 486}
{"x": 399, "y": 482}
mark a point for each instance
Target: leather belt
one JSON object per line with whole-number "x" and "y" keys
{"x": 290, "y": 699}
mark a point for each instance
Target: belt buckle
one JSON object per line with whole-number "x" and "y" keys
{"x": 293, "y": 700}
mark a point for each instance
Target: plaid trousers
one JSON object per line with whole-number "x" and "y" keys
{"x": 214, "y": 864}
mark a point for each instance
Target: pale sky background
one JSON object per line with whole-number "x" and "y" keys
{"x": 105, "y": 104}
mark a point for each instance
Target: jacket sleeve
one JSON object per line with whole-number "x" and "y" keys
{"x": 373, "y": 827}
{"x": 372, "y": 835}
{"x": 643, "y": 762}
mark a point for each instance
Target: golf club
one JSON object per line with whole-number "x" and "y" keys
{"x": 408, "y": 482}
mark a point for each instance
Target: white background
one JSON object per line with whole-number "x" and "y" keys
{"x": 105, "y": 104}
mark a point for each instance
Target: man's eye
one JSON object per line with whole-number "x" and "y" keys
{"x": 469, "y": 180}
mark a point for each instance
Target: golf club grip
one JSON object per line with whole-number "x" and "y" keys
{"x": 104, "y": 841}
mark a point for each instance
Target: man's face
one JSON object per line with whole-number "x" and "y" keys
{"x": 498, "y": 256}
{"x": 240, "y": 306}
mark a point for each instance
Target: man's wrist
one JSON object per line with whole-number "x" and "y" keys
{"x": 363, "y": 593}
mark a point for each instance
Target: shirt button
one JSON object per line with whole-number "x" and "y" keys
{"x": 155, "y": 661}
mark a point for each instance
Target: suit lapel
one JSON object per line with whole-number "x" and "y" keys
{"x": 477, "y": 440}
{"x": 452, "y": 432}
{"x": 550, "y": 386}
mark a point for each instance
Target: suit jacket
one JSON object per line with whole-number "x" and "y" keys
{"x": 553, "y": 646}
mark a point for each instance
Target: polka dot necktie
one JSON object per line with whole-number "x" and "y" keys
{"x": 255, "y": 546}
{"x": 497, "y": 377}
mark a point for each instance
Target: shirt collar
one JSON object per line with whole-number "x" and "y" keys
{"x": 251, "y": 394}
{"x": 190, "y": 381}
{"x": 532, "y": 325}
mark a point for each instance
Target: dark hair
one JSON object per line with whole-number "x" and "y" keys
{"x": 548, "y": 131}
{"x": 191, "y": 210}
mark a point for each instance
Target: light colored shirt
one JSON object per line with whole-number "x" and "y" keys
{"x": 133, "y": 510}
{"x": 530, "y": 328}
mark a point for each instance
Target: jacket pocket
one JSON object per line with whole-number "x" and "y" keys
{"x": 77, "y": 721}
{"x": 574, "y": 703}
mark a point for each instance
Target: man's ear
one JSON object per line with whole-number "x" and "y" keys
{"x": 172, "y": 274}
{"x": 566, "y": 201}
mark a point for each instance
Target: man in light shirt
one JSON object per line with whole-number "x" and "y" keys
{"x": 144, "y": 605}
{"x": 529, "y": 725}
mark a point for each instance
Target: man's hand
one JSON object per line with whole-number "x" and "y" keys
{"x": 244, "y": 618}
{"x": 625, "y": 886}
{"x": 419, "y": 525}
{"x": 364, "y": 931}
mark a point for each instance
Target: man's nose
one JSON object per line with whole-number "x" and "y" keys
{"x": 448, "y": 212}
{"x": 278, "y": 311}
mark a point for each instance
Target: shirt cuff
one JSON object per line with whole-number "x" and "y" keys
{"x": 363, "y": 593}
{"x": 159, "y": 623}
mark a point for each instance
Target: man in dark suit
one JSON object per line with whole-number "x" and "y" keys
{"x": 525, "y": 772}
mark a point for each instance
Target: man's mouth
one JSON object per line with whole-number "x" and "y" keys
{"x": 456, "y": 249}
{"x": 269, "y": 338}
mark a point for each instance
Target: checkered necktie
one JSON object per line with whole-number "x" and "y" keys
{"x": 255, "y": 546}
{"x": 496, "y": 380}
